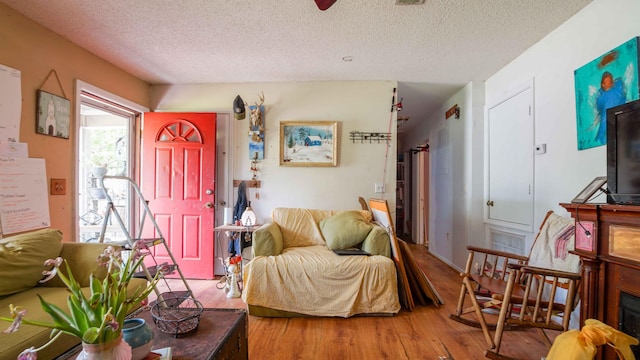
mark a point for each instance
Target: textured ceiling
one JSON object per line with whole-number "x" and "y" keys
{"x": 432, "y": 49}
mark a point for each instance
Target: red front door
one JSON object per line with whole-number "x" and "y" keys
{"x": 177, "y": 179}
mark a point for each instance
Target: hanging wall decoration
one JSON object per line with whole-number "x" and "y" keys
{"x": 239, "y": 108}
{"x": 256, "y": 132}
{"x": 308, "y": 143}
{"x": 53, "y": 112}
{"x": 608, "y": 81}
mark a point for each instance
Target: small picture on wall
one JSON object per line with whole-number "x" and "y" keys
{"x": 608, "y": 81}
{"x": 53, "y": 114}
{"x": 256, "y": 145}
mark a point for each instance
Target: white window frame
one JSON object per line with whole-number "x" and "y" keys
{"x": 83, "y": 87}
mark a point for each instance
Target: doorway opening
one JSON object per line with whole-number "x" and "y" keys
{"x": 420, "y": 189}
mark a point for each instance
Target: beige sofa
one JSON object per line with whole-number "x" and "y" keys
{"x": 294, "y": 272}
{"x": 21, "y": 263}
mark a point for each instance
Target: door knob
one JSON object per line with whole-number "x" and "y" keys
{"x": 208, "y": 192}
{"x": 208, "y": 205}
{"x": 489, "y": 202}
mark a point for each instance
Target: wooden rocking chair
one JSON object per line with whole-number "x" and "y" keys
{"x": 488, "y": 272}
{"x": 533, "y": 298}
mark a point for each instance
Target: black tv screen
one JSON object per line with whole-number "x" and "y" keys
{"x": 623, "y": 153}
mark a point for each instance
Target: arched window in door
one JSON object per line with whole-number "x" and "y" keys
{"x": 179, "y": 130}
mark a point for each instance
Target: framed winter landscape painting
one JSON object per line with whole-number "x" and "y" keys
{"x": 308, "y": 143}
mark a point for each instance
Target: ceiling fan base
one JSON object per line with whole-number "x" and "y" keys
{"x": 324, "y": 4}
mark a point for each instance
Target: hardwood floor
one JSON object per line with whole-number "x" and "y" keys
{"x": 421, "y": 334}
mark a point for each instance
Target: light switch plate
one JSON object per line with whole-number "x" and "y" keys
{"x": 58, "y": 187}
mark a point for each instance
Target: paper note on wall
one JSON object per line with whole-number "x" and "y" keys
{"x": 24, "y": 203}
{"x": 14, "y": 150}
{"x": 10, "y": 103}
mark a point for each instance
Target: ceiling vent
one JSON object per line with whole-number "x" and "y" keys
{"x": 409, "y": 2}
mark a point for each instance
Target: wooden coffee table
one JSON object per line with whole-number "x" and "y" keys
{"x": 221, "y": 334}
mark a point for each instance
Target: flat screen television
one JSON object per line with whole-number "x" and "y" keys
{"x": 623, "y": 153}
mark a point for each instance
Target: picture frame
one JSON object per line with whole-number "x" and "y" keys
{"x": 588, "y": 191}
{"x": 53, "y": 115}
{"x": 309, "y": 143}
{"x": 608, "y": 80}
{"x": 382, "y": 215}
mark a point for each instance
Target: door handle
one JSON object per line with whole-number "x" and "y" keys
{"x": 208, "y": 205}
{"x": 489, "y": 202}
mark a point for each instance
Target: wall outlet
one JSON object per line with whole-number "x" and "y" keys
{"x": 58, "y": 187}
{"x": 379, "y": 188}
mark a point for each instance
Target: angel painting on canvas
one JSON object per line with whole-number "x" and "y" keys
{"x": 603, "y": 83}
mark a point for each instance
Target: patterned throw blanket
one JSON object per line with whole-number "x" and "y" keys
{"x": 561, "y": 241}
{"x": 551, "y": 248}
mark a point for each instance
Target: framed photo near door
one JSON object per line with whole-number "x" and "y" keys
{"x": 53, "y": 114}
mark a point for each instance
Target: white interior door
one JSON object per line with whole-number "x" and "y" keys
{"x": 421, "y": 203}
{"x": 224, "y": 184}
{"x": 510, "y": 161}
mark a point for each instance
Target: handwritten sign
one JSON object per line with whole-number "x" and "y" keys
{"x": 24, "y": 203}
{"x": 10, "y": 103}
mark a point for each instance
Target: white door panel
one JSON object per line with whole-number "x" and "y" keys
{"x": 510, "y": 155}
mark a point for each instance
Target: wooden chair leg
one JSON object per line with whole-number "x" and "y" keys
{"x": 545, "y": 337}
{"x": 483, "y": 324}
{"x": 460, "y": 306}
{"x": 505, "y": 312}
{"x": 495, "y": 356}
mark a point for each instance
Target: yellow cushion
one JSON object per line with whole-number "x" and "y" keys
{"x": 299, "y": 227}
{"x": 22, "y": 258}
{"x": 344, "y": 230}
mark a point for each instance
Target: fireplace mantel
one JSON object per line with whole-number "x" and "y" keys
{"x": 608, "y": 243}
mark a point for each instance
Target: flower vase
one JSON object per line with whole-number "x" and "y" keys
{"x": 139, "y": 335}
{"x": 116, "y": 349}
{"x": 234, "y": 290}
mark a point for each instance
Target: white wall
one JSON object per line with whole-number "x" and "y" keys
{"x": 457, "y": 202}
{"x": 357, "y": 105}
{"x": 563, "y": 171}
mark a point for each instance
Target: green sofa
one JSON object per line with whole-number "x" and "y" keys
{"x": 21, "y": 264}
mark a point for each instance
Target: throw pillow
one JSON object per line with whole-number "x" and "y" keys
{"x": 345, "y": 229}
{"x": 22, "y": 258}
{"x": 377, "y": 242}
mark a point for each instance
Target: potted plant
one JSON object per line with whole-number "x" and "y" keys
{"x": 96, "y": 319}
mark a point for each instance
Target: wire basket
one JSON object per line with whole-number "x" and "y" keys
{"x": 176, "y": 315}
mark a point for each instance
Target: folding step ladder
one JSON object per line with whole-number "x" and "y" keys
{"x": 142, "y": 206}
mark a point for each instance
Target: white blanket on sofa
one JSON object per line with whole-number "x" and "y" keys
{"x": 313, "y": 280}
